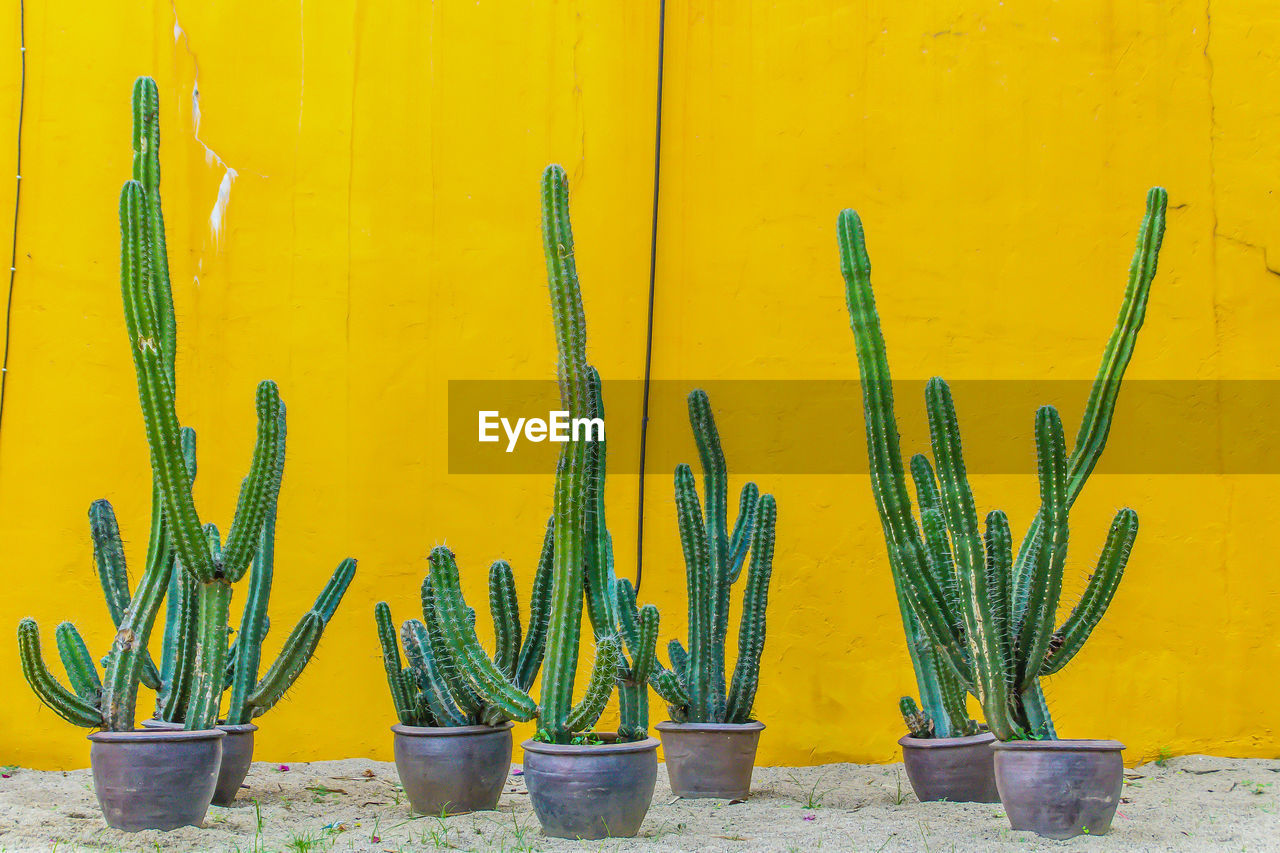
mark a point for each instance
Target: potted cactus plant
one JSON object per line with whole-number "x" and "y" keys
{"x": 988, "y": 617}
{"x": 156, "y": 779}
{"x": 200, "y": 590}
{"x": 583, "y": 784}
{"x": 452, "y": 746}
{"x": 710, "y": 741}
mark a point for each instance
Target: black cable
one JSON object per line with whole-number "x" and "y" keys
{"x": 17, "y": 197}
{"x": 653, "y": 273}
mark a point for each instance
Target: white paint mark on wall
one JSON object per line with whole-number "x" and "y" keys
{"x": 218, "y": 215}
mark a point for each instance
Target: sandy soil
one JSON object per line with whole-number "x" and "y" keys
{"x": 1191, "y": 803}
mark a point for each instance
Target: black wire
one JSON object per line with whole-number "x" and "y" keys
{"x": 653, "y": 272}
{"x": 17, "y": 197}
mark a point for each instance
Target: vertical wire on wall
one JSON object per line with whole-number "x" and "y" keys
{"x": 653, "y": 272}
{"x": 17, "y": 197}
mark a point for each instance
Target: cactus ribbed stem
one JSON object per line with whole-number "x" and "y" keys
{"x": 214, "y": 599}
{"x": 599, "y": 687}
{"x": 535, "y": 639}
{"x": 504, "y": 608}
{"x": 82, "y": 674}
{"x": 62, "y": 701}
{"x": 253, "y": 624}
{"x": 288, "y": 665}
{"x": 755, "y": 601}
{"x": 392, "y": 664}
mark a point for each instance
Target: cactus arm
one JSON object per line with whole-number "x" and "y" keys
{"x": 679, "y": 659}
{"x": 599, "y": 687}
{"x": 78, "y": 663}
{"x": 48, "y": 689}
{"x": 253, "y": 626}
{"x": 933, "y": 524}
{"x": 699, "y": 577}
{"x": 464, "y": 695}
{"x": 667, "y": 684}
{"x": 716, "y": 488}
{"x": 1035, "y": 712}
{"x": 261, "y": 488}
{"x": 331, "y": 595}
{"x": 755, "y": 601}
{"x": 628, "y": 614}
{"x": 292, "y": 660}
{"x": 392, "y": 664}
{"x": 1095, "y": 425}
{"x": 488, "y": 680}
{"x": 146, "y": 170}
{"x": 1098, "y": 592}
{"x": 213, "y": 614}
{"x": 569, "y": 498}
{"x": 504, "y": 608}
{"x": 178, "y": 651}
{"x": 741, "y": 536}
{"x": 535, "y": 639}
{"x": 108, "y": 556}
{"x": 1045, "y": 588}
{"x": 644, "y": 655}
{"x": 919, "y": 723}
{"x": 598, "y": 576}
{"x": 986, "y": 651}
{"x": 998, "y": 547}
{"x": 431, "y": 683}
{"x": 918, "y": 591}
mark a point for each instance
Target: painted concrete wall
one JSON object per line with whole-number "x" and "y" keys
{"x": 381, "y": 238}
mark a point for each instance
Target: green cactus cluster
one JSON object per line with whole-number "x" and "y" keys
{"x": 435, "y": 688}
{"x": 695, "y": 687}
{"x": 979, "y": 620}
{"x": 450, "y": 678}
{"x": 186, "y": 560}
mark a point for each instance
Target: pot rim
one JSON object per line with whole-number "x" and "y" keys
{"x": 749, "y": 726}
{"x": 913, "y": 742}
{"x": 157, "y": 736}
{"x": 1065, "y": 745}
{"x": 238, "y": 728}
{"x": 449, "y": 731}
{"x": 649, "y": 744}
{"x": 153, "y": 724}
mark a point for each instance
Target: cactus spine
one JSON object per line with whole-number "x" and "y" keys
{"x": 695, "y": 690}
{"x": 976, "y": 619}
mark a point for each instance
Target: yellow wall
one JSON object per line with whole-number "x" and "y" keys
{"x": 382, "y": 238}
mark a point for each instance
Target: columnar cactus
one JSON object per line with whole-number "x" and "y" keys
{"x": 714, "y": 557}
{"x": 184, "y": 557}
{"x": 978, "y": 620}
{"x": 577, "y": 563}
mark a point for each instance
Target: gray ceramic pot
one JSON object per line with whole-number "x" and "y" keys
{"x": 453, "y": 769}
{"x": 956, "y": 769}
{"x": 237, "y": 755}
{"x": 590, "y": 792}
{"x": 1060, "y": 788}
{"x": 710, "y": 759}
{"x": 155, "y": 779}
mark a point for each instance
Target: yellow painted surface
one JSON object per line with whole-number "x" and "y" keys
{"x": 382, "y": 238}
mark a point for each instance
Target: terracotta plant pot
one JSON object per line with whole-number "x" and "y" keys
{"x": 237, "y": 756}
{"x": 155, "y": 779}
{"x": 588, "y": 792}
{"x": 451, "y": 770}
{"x": 1060, "y": 788}
{"x": 710, "y": 759}
{"x": 956, "y": 769}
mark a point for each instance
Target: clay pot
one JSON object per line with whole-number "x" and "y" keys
{"x": 710, "y": 759}
{"x": 1060, "y": 788}
{"x": 155, "y": 779}
{"x": 451, "y": 770}
{"x": 237, "y": 756}
{"x": 588, "y": 792}
{"x": 956, "y": 769}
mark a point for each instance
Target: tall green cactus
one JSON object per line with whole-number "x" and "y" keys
{"x": 977, "y": 620}
{"x": 450, "y": 679}
{"x": 695, "y": 688}
{"x": 185, "y": 559}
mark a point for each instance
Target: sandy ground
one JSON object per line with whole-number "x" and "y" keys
{"x": 1190, "y": 803}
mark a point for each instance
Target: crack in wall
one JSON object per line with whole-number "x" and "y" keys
{"x": 218, "y": 215}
